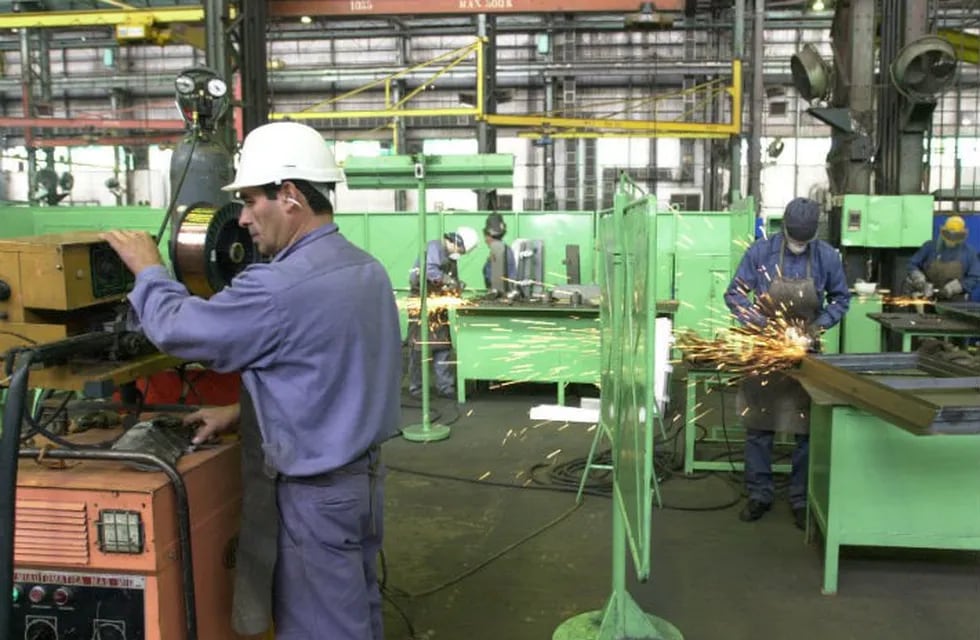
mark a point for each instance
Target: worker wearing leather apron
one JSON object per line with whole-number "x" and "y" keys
{"x": 801, "y": 278}
{"x": 501, "y": 266}
{"x": 946, "y": 268}
{"x": 442, "y": 276}
{"x": 314, "y": 332}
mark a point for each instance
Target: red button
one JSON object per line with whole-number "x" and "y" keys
{"x": 61, "y": 596}
{"x": 36, "y": 594}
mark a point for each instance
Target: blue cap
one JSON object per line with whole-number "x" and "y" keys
{"x": 801, "y": 218}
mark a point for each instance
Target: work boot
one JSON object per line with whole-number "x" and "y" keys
{"x": 799, "y": 518}
{"x": 754, "y": 510}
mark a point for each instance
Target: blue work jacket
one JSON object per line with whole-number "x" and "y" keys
{"x": 761, "y": 264}
{"x": 929, "y": 252}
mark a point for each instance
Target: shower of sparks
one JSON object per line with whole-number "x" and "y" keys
{"x": 748, "y": 350}
{"x": 907, "y": 301}
{"x": 433, "y": 304}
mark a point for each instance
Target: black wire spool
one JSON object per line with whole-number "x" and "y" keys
{"x": 208, "y": 248}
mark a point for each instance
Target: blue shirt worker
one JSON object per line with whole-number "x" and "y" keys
{"x": 442, "y": 278}
{"x": 947, "y": 267}
{"x": 314, "y": 333}
{"x": 801, "y": 278}
{"x": 500, "y": 268}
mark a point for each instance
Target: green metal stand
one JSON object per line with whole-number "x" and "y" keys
{"x": 590, "y": 463}
{"x": 622, "y": 619}
{"x": 482, "y": 171}
{"x": 425, "y": 431}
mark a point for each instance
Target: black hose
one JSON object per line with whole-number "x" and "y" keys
{"x": 183, "y": 519}
{"x": 13, "y": 416}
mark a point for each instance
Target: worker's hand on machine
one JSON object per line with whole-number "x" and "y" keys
{"x": 915, "y": 283}
{"x": 136, "y": 248}
{"x": 814, "y": 334}
{"x": 950, "y": 290}
{"x": 211, "y": 421}
{"x": 451, "y": 286}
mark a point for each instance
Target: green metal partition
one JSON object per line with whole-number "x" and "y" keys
{"x": 627, "y": 241}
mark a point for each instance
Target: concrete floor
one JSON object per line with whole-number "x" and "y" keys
{"x": 713, "y": 576}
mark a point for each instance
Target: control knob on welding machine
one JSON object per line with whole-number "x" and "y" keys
{"x": 40, "y": 630}
{"x": 109, "y": 631}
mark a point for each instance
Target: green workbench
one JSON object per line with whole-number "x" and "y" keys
{"x": 923, "y": 325}
{"x": 874, "y": 484}
{"x": 528, "y": 342}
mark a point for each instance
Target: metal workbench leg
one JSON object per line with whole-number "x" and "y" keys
{"x": 690, "y": 431}
{"x": 831, "y": 562}
{"x": 588, "y": 464}
{"x": 906, "y": 342}
{"x": 561, "y": 393}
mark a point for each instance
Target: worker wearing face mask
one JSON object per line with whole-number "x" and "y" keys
{"x": 794, "y": 275}
{"x": 442, "y": 278}
{"x": 946, "y": 268}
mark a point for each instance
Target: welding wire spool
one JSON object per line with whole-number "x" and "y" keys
{"x": 208, "y": 248}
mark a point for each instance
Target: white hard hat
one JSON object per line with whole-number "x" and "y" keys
{"x": 284, "y": 151}
{"x": 468, "y": 237}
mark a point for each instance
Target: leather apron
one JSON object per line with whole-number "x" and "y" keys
{"x": 439, "y": 335}
{"x": 778, "y": 402}
{"x": 939, "y": 272}
{"x": 258, "y": 537}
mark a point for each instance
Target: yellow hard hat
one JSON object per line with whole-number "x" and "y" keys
{"x": 953, "y": 230}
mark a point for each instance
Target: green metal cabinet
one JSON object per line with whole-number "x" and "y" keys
{"x": 886, "y": 221}
{"x": 859, "y": 333}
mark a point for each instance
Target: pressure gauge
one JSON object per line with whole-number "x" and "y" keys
{"x": 184, "y": 84}
{"x": 217, "y": 87}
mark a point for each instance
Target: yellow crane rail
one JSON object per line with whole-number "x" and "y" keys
{"x": 101, "y": 17}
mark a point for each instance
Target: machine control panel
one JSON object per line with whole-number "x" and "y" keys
{"x": 58, "y": 605}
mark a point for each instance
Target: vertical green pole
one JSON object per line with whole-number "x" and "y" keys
{"x": 426, "y": 431}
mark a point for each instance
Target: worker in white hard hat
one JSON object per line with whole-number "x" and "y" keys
{"x": 946, "y": 268}
{"x": 315, "y": 335}
{"x": 442, "y": 278}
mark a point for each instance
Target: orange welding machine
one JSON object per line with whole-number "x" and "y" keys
{"x": 106, "y": 551}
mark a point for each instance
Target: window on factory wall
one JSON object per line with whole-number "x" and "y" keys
{"x": 944, "y": 156}
{"x": 361, "y": 200}
{"x": 450, "y": 199}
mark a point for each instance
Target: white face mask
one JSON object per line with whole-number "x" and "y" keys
{"x": 454, "y": 256}
{"x": 795, "y": 247}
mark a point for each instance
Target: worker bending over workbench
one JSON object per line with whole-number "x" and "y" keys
{"x": 946, "y": 268}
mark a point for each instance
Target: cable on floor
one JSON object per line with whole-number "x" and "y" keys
{"x": 488, "y": 561}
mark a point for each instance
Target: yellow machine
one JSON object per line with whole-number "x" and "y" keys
{"x": 58, "y": 285}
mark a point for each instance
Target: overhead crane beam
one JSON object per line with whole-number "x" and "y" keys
{"x": 106, "y": 17}
{"x": 551, "y": 126}
{"x": 541, "y": 126}
{"x": 297, "y": 8}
